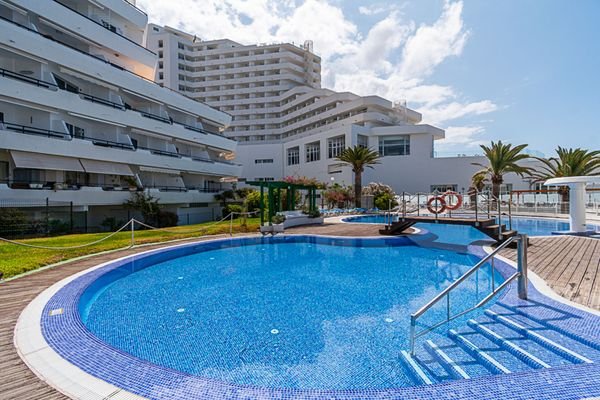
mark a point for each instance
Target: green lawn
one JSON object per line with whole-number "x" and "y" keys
{"x": 15, "y": 259}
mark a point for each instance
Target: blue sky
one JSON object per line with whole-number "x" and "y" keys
{"x": 523, "y": 71}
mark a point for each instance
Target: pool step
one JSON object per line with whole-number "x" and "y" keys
{"x": 484, "y": 358}
{"x": 595, "y": 344}
{"x": 541, "y": 340}
{"x": 413, "y": 366}
{"x": 453, "y": 369}
{"x": 508, "y": 345}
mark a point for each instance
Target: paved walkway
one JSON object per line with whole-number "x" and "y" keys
{"x": 571, "y": 265}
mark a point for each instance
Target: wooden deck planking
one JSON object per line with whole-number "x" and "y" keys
{"x": 549, "y": 257}
{"x": 570, "y": 265}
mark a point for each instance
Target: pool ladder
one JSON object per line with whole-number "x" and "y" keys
{"x": 520, "y": 274}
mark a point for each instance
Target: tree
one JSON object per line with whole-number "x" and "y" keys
{"x": 224, "y": 196}
{"x": 359, "y": 158}
{"x": 569, "y": 162}
{"x": 146, "y": 204}
{"x": 478, "y": 181}
{"x": 384, "y": 197}
{"x": 502, "y": 159}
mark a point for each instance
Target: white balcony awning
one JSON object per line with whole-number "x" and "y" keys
{"x": 24, "y": 159}
{"x": 160, "y": 170}
{"x": 106, "y": 168}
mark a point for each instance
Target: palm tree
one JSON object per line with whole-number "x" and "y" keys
{"x": 359, "y": 157}
{"x": 502, "y": 159}
{"x": 569, "y": 162}
{"x": 478, "y": 181}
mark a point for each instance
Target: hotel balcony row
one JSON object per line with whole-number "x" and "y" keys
{"x": 28, "y": 178}
{"x": 56, "y": 51}
{"x": 67, "y": 140}
{"x": 65, "y": 92}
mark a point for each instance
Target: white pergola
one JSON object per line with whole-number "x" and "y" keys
{"x": 577, "y": 185}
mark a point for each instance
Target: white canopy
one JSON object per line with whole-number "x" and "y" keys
{"x": 24, "y": 159}
{"x": 106, "y": 168}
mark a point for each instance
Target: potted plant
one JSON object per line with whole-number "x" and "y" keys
{"x": 278, "y": 221}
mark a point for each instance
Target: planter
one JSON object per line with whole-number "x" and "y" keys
{"x": 278, "y": 228}
{"x": 266, "y": 229}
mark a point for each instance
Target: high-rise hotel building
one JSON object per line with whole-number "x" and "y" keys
{"x": 82, "y": 120}
{"x": 286, "y": 124}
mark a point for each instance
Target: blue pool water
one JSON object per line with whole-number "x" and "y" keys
{"x": 286, "y": 312}
{"x": 457, "y": 234}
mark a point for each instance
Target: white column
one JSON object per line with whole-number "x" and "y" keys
{"x": 577, "y": 207}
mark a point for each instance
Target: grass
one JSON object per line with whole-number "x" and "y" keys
{"x": 16, "y": 259}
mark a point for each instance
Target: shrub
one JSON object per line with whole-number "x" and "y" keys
{"x": 12, "y": 222}
{"x": 384, "y": 200}
{"x": 232, "y": 208}
{"x": 314, "y": 214}
{"x": 253, "y": 200}
{"x": 167, "y": 218}
{"x": 278, "y": 219}
{"x": 111, "y": 224}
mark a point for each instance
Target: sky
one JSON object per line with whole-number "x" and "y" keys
{"x": 521, "y": 71}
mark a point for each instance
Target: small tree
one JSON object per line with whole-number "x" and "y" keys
{"x": 145, "y": 204}
{"x": 384, "y": 196}
{"x": 359, "y": 158}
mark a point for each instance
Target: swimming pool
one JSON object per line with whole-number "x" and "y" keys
{"x": 461, "y": 234}
{"x": 291, "y": 312}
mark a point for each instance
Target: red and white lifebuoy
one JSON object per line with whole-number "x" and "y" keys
{"x": 440, "y": 205}
{"x": 449, "y": 205}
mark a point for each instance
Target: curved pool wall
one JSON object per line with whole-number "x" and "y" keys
{"x": 66, "y": 335}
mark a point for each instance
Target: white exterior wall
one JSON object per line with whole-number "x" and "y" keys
{"x": 76, "y": 85}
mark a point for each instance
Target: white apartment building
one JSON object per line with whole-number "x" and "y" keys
{"x": 287, "y": 125}
{"x": 82, "y": 120}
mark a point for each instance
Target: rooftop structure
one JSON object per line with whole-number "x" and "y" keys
{"x": 82, "y": 120}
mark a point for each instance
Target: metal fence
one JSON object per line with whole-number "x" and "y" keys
{"x": 23, "y": 218}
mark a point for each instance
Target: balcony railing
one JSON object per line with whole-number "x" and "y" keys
{"x": 161, "y": 152}
{"x": 29, "y": 130}
{"x": 107, "y": 27}
{"x": 24, "y": 78}
{"x": 102, "y": 101}
{"x": 108, "y": 143}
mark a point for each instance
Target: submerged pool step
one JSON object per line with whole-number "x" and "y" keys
{"x": 481, "y": 356}
{"x": 511, "y": 347}
{"x": 540, "y": 339}
{"x": 453, "y": 369}
{"x": 413, "y": 366}
{"x": 586, "y": 341}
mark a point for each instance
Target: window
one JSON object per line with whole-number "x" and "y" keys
{"x": 160, "y": 54}
{"x": 180, "y": 46}
{"x": 75, "y": 131}
{"x": 155, "y": 29}
{"x": 23, "y": 175}
{"x": 335, "y": 168}
{"x": 161, "y": 75}
{"x": 362, "y": 140}
{"x": 266, "y": 179}
{"x": 181, "y": 77}
{"x": 335, "y": 146}
{"x": 263, "y": 161}
{"x": 64, "y": 85}
{"x": 180, "y": 56}
{"x": 443, "y": 188}
{"x": 160, "y": 44}
{"x": 313, "y": 151}
{"x": 3, "y": 171}
{"x": 293, "y": 156}
{"x": 160, "y": 64}
{"x": 394, "y": 145}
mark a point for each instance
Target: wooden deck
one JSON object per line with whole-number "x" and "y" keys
{"x": 571, "y": 265}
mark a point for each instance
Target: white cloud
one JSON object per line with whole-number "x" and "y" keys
{"x": 463, "y": 135}
{"x": 393, "y": 58}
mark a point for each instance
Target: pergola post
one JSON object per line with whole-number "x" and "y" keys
{"x": 262, "y": 205}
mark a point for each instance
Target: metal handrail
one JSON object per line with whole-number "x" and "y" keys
{"x": 521, "y": 273}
